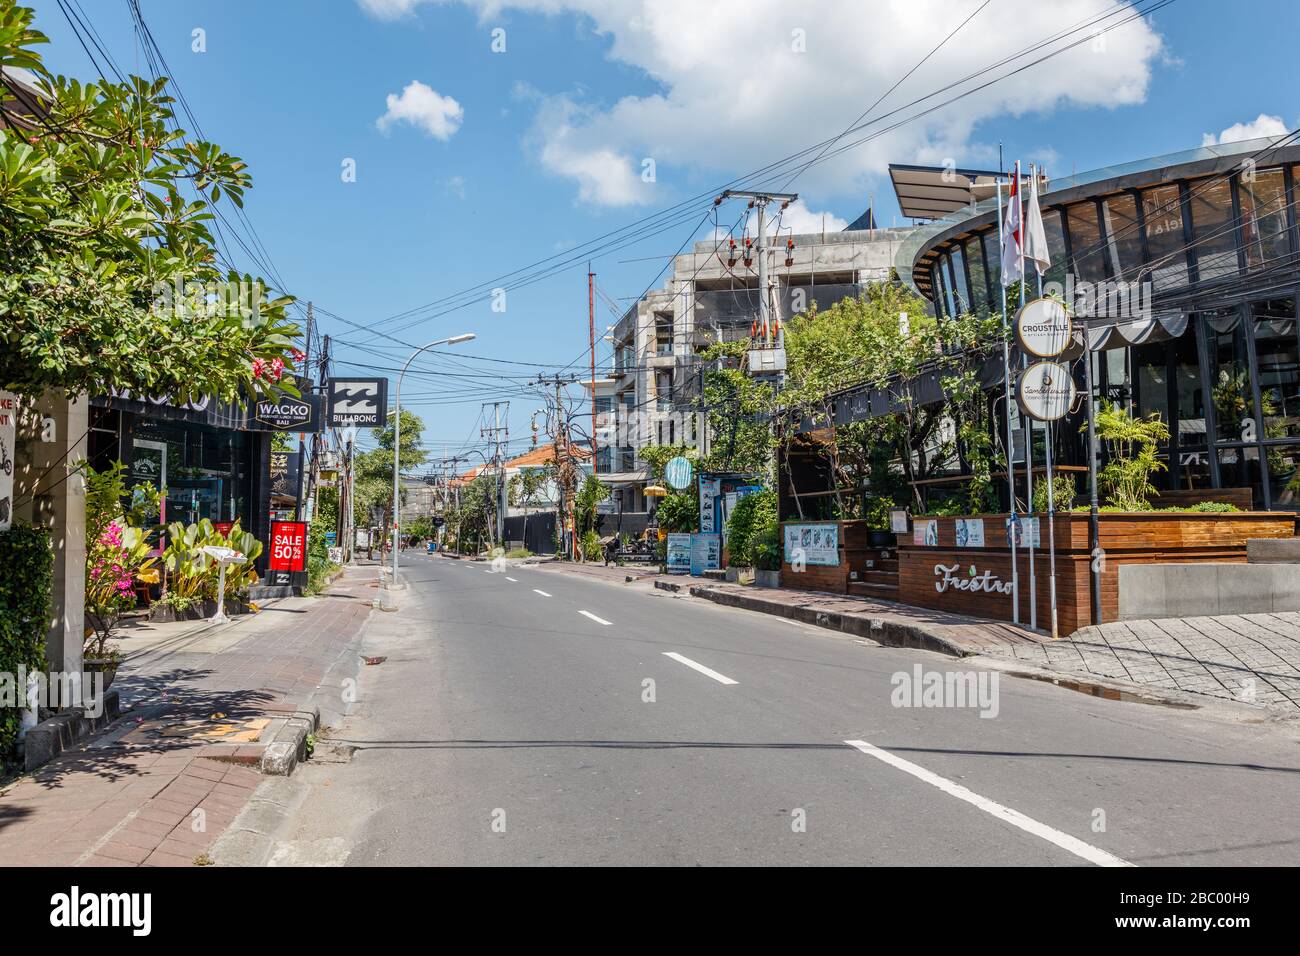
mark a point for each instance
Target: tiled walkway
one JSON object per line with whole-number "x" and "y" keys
{"x": 1252, "y": 658}
{"x": 167, "y": 778}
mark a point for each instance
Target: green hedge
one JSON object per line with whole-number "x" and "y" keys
{"x": 25, "y": 585}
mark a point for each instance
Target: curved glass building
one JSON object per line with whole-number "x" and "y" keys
{"x": 1186, "y": 268}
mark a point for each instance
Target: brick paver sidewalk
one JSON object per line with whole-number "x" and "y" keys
{"x": 163, "y": 782}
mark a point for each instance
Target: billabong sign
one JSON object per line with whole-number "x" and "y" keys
{"x": 362, "y": 402}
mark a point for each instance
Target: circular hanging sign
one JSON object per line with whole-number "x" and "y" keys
{"x": 678, "y": 472}
{"x": 1046, "y": 391}
{"x": 1043, "y": 328}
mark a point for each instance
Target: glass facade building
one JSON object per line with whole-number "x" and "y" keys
{"x": 1194, "y": 260}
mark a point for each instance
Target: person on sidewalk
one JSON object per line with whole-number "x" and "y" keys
{"x": 610, "y": 547}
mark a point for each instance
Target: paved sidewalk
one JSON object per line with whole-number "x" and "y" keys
{"x": 612, "y": 572}
{"x": 173, "y": 772}
{"x": 1249, "y": 658}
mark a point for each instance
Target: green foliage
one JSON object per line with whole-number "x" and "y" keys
{"x": 1064, "y": 491}
{"x": 472, "y": 523}
{"x": 192, "y": 575}
{"x": 679, "y": 512}
{"x": 750, "y": 520}
{"x": 591, "y": 545}
{"x": 107, "y": 271}
{"x": 28, "y": 562}
{"x": 592, "y": 492}
{"x": 374, "y": 469}
{"x": 658, "y": 456}
{"x": 319, "y": 566}
{"x": 1209, "y": 507}
{"x": 1132, "y": 444}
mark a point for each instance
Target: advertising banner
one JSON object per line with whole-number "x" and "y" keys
{"x": 288, "y": 546}
{"x": 812, "y": 544}
{"x": 679, "y": 554}
{"x": 709, "y": 487}
{"x": 8, "y": 433}
{"x": 706, "y": 553}
{"x": 284, "y": 472}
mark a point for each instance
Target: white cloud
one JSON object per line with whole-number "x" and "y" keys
{"x": 799, "y": 218}
{"x": 734, "y": 94}
{"x": 1262, "y": 125}
{"x": 439, "y": 116}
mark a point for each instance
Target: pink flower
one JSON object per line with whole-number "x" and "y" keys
{"x": 277, "y": 368}
{"x": 259, "y": 367}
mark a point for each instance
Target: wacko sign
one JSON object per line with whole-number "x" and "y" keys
{"x": 1046, "y": 391}
{"x": 1043, "y": 328}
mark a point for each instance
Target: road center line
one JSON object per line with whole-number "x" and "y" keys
{"x": 598, "y": 620}
{"x": 542, "y": 593}
{"x": 706, "y": 671}
{"x": 1017, "y": 819}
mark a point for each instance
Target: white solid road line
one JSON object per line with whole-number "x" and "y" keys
{"x": 706, "y": 671}
{"x": 598, "y": 620}
{"x": 542, "y": 593}
{"x": 1017, "y": 819}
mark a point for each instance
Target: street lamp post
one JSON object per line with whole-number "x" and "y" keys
{"x": 397, "y": 441}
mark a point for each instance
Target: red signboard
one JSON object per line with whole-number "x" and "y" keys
{"x": 288, "y": 546}
{"x": 224, "y": 527}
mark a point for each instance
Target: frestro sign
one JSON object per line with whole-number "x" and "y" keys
{"x": 973, "y": 580}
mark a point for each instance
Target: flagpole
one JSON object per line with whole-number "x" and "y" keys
{"x": 1014, "y": 526}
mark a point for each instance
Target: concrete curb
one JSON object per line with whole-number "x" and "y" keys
{"x": 879, "y": 629}
{"x": 289, "y": 748}
{"x": 56, "y": 734}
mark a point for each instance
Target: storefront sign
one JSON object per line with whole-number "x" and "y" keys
{"x": 706, "y": 553}
{"x": 288, "y": 546}
{"x": 285, "y": 413}
{"x": 678, "y": 472}
{"x": 970, "y": 532}
{"x": 1043, "y": 328}
{"x": 812, "y": 544}
{"x": 708, "y": 499}
{"x": 679, "y": 554}
{"x": 284, "y": 472}
{"x": 361, "y": 402}
{"x": 1046, "y": 391}
{"x": 972, "y": 580}
{"x": 8, "y": 435}
{"x": 224, "y": 527}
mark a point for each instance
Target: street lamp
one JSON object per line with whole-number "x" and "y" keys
{"x": 397, "y": 441}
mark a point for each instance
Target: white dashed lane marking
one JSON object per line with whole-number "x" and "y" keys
{"x": 1073, "y": 845}
{"x": 706, "y": 671}
{"x": 542, "y": 593}
{"x": 598, "y": 620}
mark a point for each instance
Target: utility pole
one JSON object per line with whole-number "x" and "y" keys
{"x": 302, "y": 443}
{"x": 563, "y": 451}
{"x": 591, "y": 331}
{"x": 759, "y": 201}
{"x": 499, "y": 465}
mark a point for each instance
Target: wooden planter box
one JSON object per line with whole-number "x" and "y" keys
{"x": 970, "y": 580}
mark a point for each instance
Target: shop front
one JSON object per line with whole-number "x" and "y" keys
{"x": 203, "y": 456}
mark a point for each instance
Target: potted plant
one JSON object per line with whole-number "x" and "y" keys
{"x": 877, "y": 515}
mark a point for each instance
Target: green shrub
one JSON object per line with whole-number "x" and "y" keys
{"x": 591, "y": 546}
{"x": 25, "y": 586}
{"x": 752, "y": 517}
{"x": 1064, "y": 491}
{"x": 1209, "y": 507}
{"x": 679, "y": 513}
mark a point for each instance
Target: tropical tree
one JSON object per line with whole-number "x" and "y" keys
{"x": 374, "y": 468}
{"x": 109, "y": 276}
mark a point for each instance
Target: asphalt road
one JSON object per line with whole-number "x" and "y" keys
{"x": 539, "y": 717}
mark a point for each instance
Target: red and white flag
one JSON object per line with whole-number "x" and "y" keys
{"x": 1012, "y": 235}
{"x": 1035, "y": 238}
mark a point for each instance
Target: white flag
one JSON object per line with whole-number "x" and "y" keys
{"x": 1011, "y": 235}
{"x": 1035, "y": 238}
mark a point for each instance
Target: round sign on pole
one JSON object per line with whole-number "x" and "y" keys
{"x": 1043, "y": 328}
{"x": 1046, "y": 391}
{"x": 678, "y": 472}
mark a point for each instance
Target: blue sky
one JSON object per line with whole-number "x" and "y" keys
{"x": 490, "y": 161}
